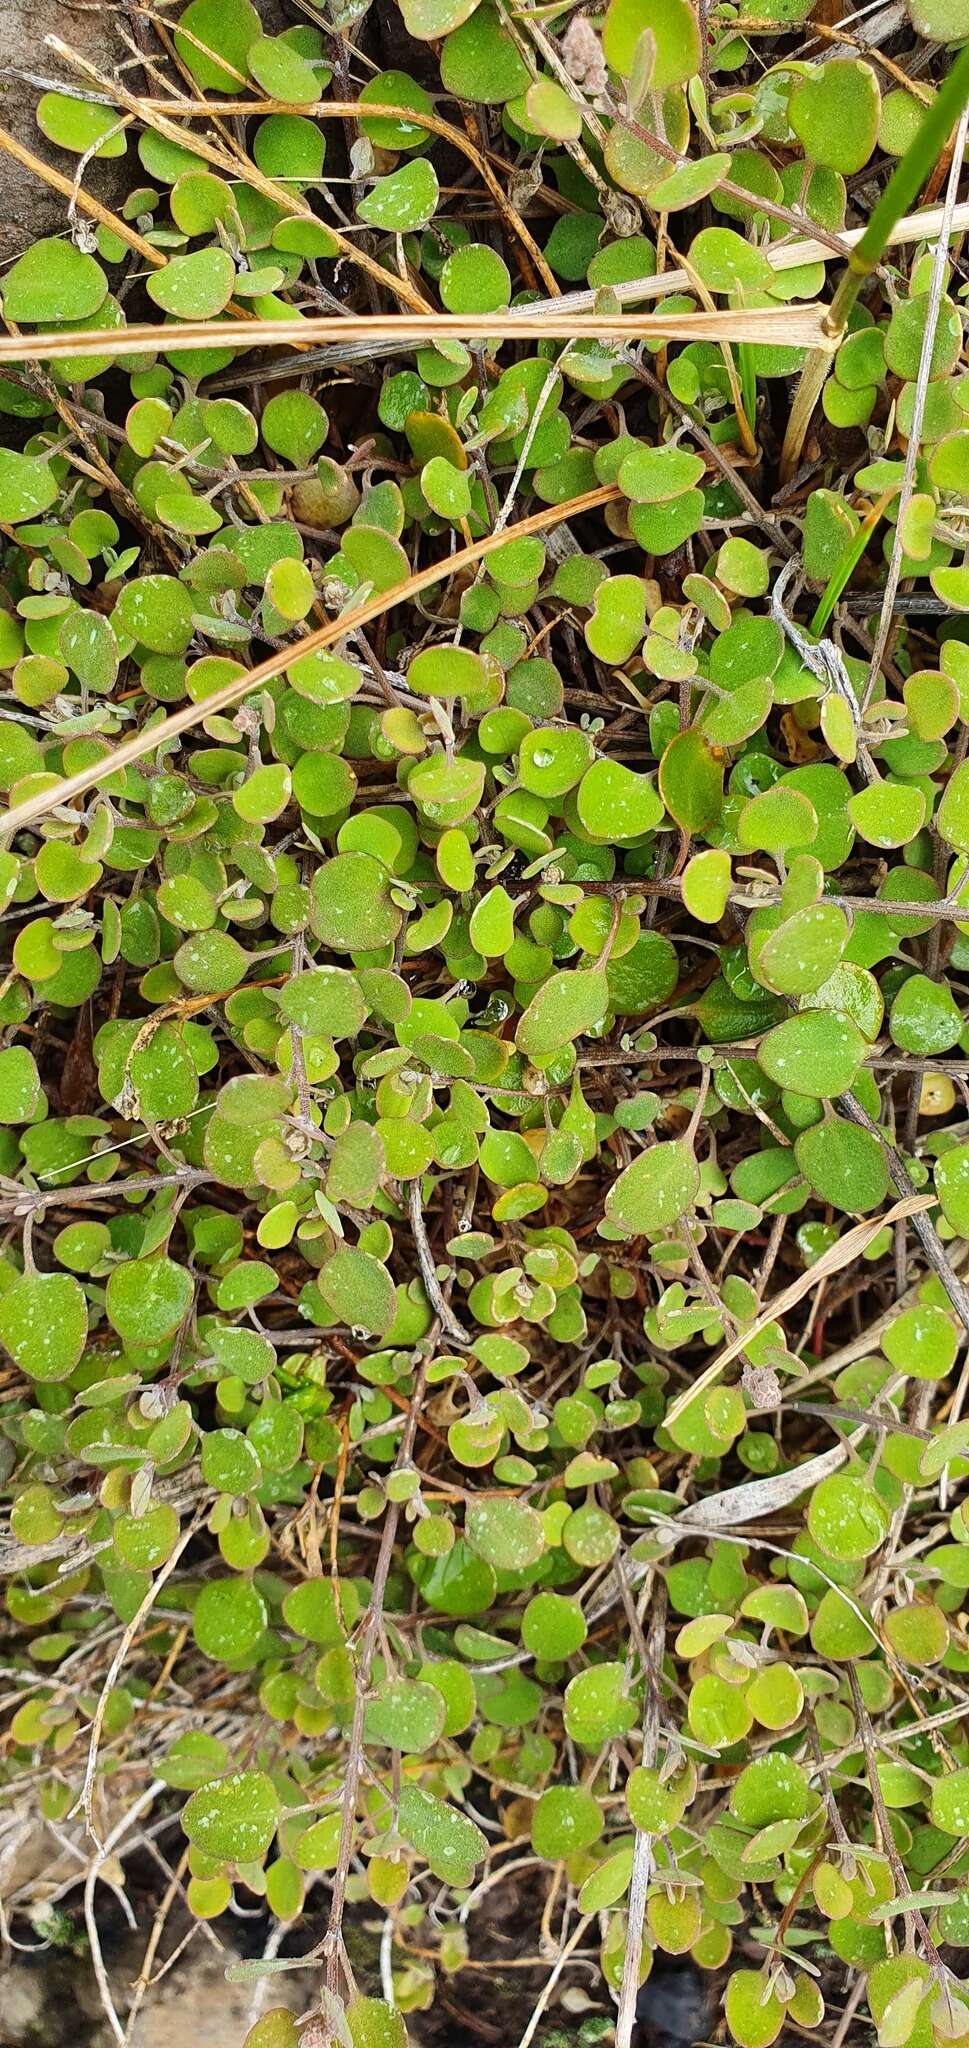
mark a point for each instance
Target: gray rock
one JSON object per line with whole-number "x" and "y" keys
{"x": 28, "y": 207}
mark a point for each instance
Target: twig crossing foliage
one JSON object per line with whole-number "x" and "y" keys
{"x": 484, "y": 1061}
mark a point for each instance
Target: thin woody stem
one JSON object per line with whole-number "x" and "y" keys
{"x": 332, "y": 1940}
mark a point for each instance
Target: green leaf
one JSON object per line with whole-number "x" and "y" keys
{"x": 566, "y": 1818}
{"x": 813, "y": 1054}
{"x": 53, "y": 281}
{"x": 888, "y": 813}
{"x": 295, "y": 426}
{"x": 835, "y": 114}
{"x": 479, "y": 61}
{"x": 706, "y": 885}
{"x": 945, "y": 1446}
{"x": 691, "y": 183}
{"x": 651, "y": 475}
{"x": 450, "y": 1843}
{"x": 691, "y": 782}
{"x": 552, "y": 111}
{"x": 429, "y": 19}
{"x": 618, "y": 619}
{"x": 596, "y": 1708}
{"x": 566, "y": 1006}
{"x": 655, "y": 1805}
{"x": 234, "y": 1820}
{"x": 553, "y": 1626}
{"x": 804, "y": 950}
{"x": 844, "y": 1164}
{"x": 922, "y": 1342}
{"x": 352, "y": 909}
{"x": 446, "y": 671}
{"x": 614, "y": 803}
{"x": 327, "y": 1000}
{"x": 148, "y": 1299}
{"x": 950, "y": 1802}
{"x": 753, "y": 2010}
{"x": 776, "y": 820}
{"x": 229, "y": 1618}
{"x": 194, "y": 287}
{"x": 925, "y": 1017}
{"x": 404, "y": 1715}
{"x": 718, "y": 1712}
{"x": 213, "y": 29}
{"x": 282, "y": 72}
{"x": 20, "y": 1090}
{"x": 79, "y": 126}
{"x": 952, "y": 817}
{"x": 673, "y": 25}
{"x": 507, "y": 1533}
{"x": 658, "y": 1188}
{"x": 846, "y": 1518}
{"x": 952, "y": 1186}
{"x": 211, "y": 963}
{"x": 727, "y": 263}
{"x": 405, "y": 200}
{"x": 27, "y": 486}
{"x": 941, "y": 20}
{"x": 157, "y": 611}
{"x": 43, "y": 1324}
{"x": 229, "y": 1462}
{"x": 448, "y": 492}
{"x": 358, "y": 1289}
{"x": 375, "y": 2024}
{"x": 396, "y": 89}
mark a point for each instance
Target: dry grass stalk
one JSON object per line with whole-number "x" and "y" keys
{"x": 783, "y": 326}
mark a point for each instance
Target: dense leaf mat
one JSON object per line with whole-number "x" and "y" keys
{"x": 485, "y": 1138}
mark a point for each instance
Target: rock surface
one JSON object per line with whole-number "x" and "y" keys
{"x": 51, "y": 2001}
{"x": 28, "y": 207}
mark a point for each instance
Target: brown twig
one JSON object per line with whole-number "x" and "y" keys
{"x": 82, "y": 200}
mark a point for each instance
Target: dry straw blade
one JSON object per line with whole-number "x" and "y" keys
{"x": 848, "y": 1248}
{"x": 783, "y": 326}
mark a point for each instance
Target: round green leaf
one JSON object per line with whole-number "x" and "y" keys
{"x": 43, "y": 1324}
{"x": 405, "y": 200}
{"x": 147, "y": 1299}
{"x": 450, "y": 1843}
{"x": 672, "y": 23}
{"x": 844, "y": 1164}
{"x": 507, "y": 1533}
{"x": 404, "y": 1715}
{"x": 53, "y": 280}
{"x": 194, "y": 287}
{"x": 229, "y": 1618}
{"x": 835, "y": 114}
{"x": 813, "y": 1054}
{"x": 27, "y": 486}
{"x": 566, "y": 1818}
{"x": 658, "y": 1188}
{"x": 234, "y": 1820}
{"x": 846, "y": 1518}
{"x": 597, "y": 1709}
